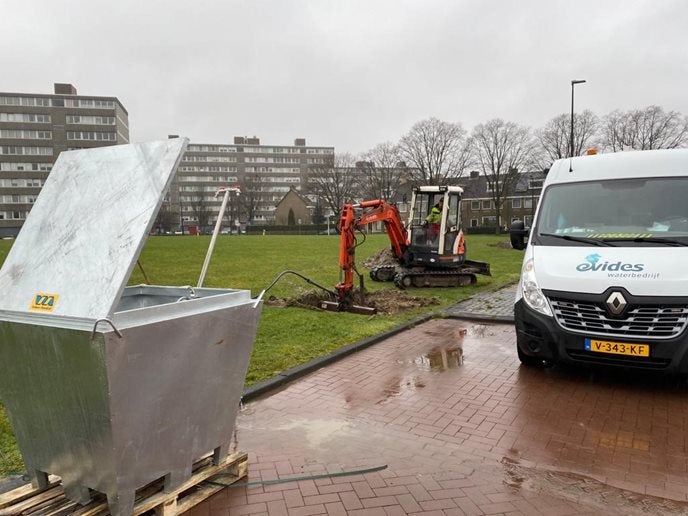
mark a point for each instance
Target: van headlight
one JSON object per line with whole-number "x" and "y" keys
{"x": 532, "y": 294}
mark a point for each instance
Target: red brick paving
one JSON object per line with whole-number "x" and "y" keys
{"x": 471, "y": 434}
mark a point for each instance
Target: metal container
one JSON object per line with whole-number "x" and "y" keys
{"x": 111, "y": 387}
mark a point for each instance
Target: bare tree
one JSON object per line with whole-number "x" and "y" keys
{"x": 336, "y": 181}
{"x": 166, "y": 217}
{"x": 555, "y": 137}
{"x": 438, "y": 150}
{"x": 200, "y": 209}
{"x": 644, "y": 129}
{"x": 384, "y": 171}
{"x": 232, "y": 210}
{"x": 251, "y": 187}
{"x": 501, "y": 149}
{"x": 613, "y": 131}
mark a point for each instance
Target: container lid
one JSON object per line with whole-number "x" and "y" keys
{"x": 80, "y": 242}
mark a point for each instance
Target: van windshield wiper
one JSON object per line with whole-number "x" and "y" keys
{"x": 570, "y": 238}
{"x": 657, "y": 240}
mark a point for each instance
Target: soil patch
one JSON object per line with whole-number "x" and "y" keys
{"x": 387, "y": 302}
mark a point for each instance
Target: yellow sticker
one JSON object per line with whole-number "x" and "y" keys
{"x": 44, "y": 302}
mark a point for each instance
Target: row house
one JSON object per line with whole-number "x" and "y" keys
{"x": 478, "y": 206}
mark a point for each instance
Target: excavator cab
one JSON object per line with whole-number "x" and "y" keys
{"x": 434, "y": 230}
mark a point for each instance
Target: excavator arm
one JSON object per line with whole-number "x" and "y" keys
{"x": 373, "y": 211}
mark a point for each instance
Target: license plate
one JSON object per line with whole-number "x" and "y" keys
{"x": 617, "y": 348}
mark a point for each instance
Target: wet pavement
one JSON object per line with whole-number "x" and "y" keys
{"x": 463, "y": 429}
{"x": 498, "y": 306}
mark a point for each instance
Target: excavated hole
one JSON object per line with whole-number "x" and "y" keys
{"x": 387, "y": 302}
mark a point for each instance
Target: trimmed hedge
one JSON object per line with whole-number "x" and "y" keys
{"x": 315, "y": 229}
{"x": 297, "y": 229}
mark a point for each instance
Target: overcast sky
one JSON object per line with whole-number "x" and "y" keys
{"x": 346, "y": 73}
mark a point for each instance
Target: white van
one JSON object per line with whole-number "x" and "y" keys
{"x": 604, "y": 277}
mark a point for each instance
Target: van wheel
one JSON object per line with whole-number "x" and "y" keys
{"x": 529, "y": 361}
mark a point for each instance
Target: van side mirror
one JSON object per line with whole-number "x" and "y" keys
{"x": 518, "y": 234}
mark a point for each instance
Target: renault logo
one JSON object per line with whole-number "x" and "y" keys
{"x": 616, "y": 303}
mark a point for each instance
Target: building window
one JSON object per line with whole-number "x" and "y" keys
{"x": 492, "y": 185}
{"x": 487, "y": 205}
{"x": 474, "y": 223}
{"x": 516, "y": 203}
{"x": 91, "y": 135}
{"x": 91, "y": 120}
{"x": 535, "y": 184}
{"x": 98, "y": 104}
{"x": 23, "y": 134}
{"x": 475, "y": 206}
{"x": 25, "y": 167}
{"x": 24, "y": 101}
{"x": 528, "y": 203}
{"x": 27, "y": 118}
{"x": 27, "y": 151}
{"x": 490, "y": 221}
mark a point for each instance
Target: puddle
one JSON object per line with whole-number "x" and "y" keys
{"x": 447, "y": 354}
{"x": 481, "y": 331}
{"x": 442, "y": 359}
{"x": 318, "y": 432}
{"x": 588, "y": 492}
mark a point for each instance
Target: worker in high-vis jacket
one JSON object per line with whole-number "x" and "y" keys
{"x": 433, "y": 220}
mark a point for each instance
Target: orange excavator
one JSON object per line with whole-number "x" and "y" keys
{"x": 430, "y": 249}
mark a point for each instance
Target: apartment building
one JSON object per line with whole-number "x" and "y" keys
{"x": 35, "y": 128}
{"x": 265, "y": 173}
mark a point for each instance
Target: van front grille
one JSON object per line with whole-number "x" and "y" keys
{"x": 649, "y": 321}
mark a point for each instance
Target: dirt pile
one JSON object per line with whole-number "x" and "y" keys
{"x": 387, "y": 302}
{"x": 384, "y": 257}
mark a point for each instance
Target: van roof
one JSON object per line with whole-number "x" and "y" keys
{"x": 617, "y": 165}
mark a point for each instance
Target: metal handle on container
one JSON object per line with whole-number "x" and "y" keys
{"x": 95, "y": 327}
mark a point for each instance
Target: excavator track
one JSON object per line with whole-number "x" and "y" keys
{"x": 452, "y": 278}
{"x": 384, "y": 272}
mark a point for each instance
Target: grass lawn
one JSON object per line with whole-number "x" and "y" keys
{"x": 288, "y": 336}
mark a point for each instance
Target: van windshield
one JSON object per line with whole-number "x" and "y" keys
{"x": 621, "y": 212}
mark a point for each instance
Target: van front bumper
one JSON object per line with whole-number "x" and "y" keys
{"x": 540, "y": 336}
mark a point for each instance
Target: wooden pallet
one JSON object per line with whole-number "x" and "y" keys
{"x": 51, "y": 501}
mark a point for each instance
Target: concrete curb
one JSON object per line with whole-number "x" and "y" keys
{"x": 289, "y": 375}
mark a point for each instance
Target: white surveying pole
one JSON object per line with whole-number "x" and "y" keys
{"x": 218, "y": 225}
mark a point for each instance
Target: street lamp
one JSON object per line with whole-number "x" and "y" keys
{"x": 573, "y": 83}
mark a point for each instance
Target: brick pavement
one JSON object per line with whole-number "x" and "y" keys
{"x": 463, "y": 429}
{"x": 497, "y": 305}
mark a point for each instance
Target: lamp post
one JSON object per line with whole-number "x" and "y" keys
{"x": 573, "y": 83}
